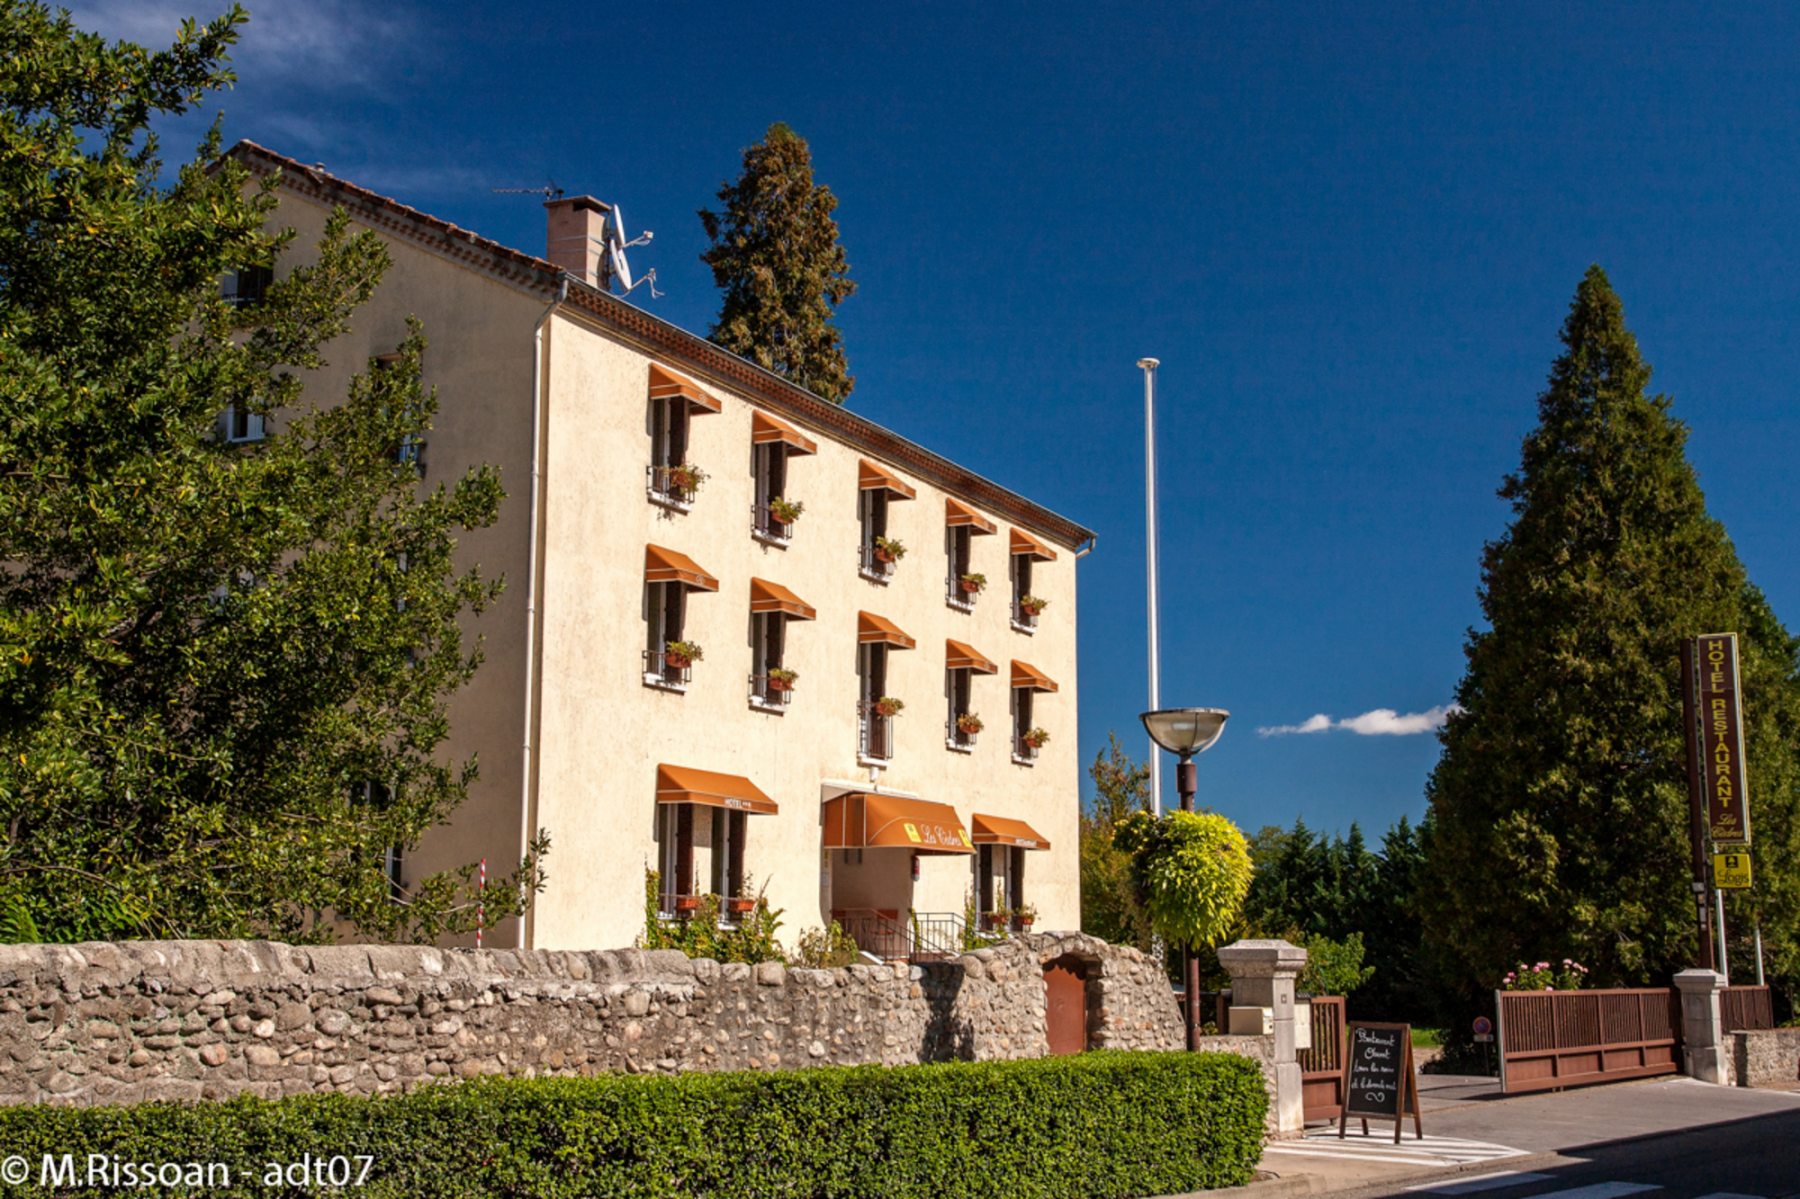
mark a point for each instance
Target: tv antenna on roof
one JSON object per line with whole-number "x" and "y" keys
{"x": 614, "y": 238}
{"x": 549, "y": 191}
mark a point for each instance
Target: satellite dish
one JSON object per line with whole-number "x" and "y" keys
{"x": 614, "y": 233}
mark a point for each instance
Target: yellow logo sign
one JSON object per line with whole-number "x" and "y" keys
{"x": 1731, "y": 871}
{"x": 912, "y": 832}
{"x": 964, "y": 834}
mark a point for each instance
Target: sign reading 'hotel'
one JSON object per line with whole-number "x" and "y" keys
{"x": 1721, "y": 710}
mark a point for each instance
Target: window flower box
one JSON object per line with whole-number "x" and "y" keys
{"x": 743, "y": 905}
{"x": 782, "y": 680}
{"x": 785, "y": 512}
{"x": 1033, "y": 605}
{"x": 1036, "y": 738}
{"x": 686, "y": 905}
{"x": 972, "y": 584}
{"x": 968, "y": 724}
{"x": 684, "y": 480}
{"x": 887, "y": 705}
{"x": 889, "y": 549}
{"x": 679, "y": 655}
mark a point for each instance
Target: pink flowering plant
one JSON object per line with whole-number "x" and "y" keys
{"x": 1545, "y": 976}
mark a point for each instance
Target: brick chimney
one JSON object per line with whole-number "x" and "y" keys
{"x": 573, "y": 239}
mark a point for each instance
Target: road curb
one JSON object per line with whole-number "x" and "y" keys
{"x": 1264, "y": 1188}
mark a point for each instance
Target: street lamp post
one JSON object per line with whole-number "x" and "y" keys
{"x": 1185, "y": 732}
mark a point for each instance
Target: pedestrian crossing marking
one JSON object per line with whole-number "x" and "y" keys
{"x": 1487, "y": 1182}
{"x": 1600, "y": 1190}
{"x": 1412, "y": 1151}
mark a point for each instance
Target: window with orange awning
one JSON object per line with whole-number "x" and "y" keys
{"x": 868, "y": 820}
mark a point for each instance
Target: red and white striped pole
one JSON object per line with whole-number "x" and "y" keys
{"x": 481, "y": 904}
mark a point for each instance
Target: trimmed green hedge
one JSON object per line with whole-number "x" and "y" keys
{"x": 1112, "y": 1124}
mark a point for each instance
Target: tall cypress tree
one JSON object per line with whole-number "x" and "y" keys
{"x": 1560, "y": 803}
{"x": 776, "y": 256}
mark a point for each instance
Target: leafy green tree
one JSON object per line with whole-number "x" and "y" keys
{"x": 775, "y": 254}
{"x": 1333, "y": 967}
{"x": 224, "y": 667}
{"x": 1191, "y": 871}
{"x": 1109, "y": 904}
{"x": 1560, "y": 801}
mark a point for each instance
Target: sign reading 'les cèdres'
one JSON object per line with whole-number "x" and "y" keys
{"x": 1721, "y": 705}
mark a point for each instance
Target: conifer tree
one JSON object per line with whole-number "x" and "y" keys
{"x": 776, "y": 256}
{"x": 1559, "y": 806}
{"x": 224, "y": 661}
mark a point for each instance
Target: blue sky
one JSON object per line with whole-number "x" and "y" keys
{"x": 1350, "y": 233}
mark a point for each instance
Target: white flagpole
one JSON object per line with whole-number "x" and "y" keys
{"x": 1149, "y": 366}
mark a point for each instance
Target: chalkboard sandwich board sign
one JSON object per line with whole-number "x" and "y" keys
{"x": 1379, "y": 1079}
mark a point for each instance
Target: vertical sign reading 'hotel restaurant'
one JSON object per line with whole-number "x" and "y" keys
{"x": 1721, "y": 704}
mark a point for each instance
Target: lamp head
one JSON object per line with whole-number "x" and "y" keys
{"x": 1185, "y": 731}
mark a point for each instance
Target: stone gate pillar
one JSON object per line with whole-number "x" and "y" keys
{"x": 1702, "y": 1029}
{"x": 1262, "y": 975}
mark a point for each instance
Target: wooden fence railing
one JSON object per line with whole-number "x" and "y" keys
{"x": 1322, "y": 1066}
{"x": 1553, "y": 1039}
{"x": 1744, "y": 1008}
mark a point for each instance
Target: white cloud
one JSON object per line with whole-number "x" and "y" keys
{"x": 1312, "y": 724}
{"x": 1379, "y": 722}
{"x": 317, "y": 42}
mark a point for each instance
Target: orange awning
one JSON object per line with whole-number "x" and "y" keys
{"x": 1024, "y": 674}
{"x": 997, "y": 830}
{"x": 684, "y": 784}
{"x": 1025, "y": 543}
{"x": 861, "y": 820}
{"x": 876, "y": 630}
{"x": 878, "y": 478}
{"x": 958, "y": 656}
{"x": 765, "y": 428}
{"x": 668, "y": 566}
{"x": 957, "y": 514}
{"x": 668, "y": 383}
{"x": 773, "y": 597}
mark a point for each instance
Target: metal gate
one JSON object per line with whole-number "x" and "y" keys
{"x": 1553, "y": 1039}
{"x": 1322, "y": 1066}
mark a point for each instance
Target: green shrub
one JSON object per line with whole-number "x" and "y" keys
{"x": 1113, "y": 1124}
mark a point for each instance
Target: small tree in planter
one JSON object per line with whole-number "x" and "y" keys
{"x": 782, "y": 679}
{"x": 968, "y": 724}
{"x": 972, "y": 584}
{"x": 1036, "y": 738}
{"x": 887, "y": 705}
{"x": 685, "y": 480}
{"x": 785, "y": 511}
{"x": 679, "y": 655}
{"x": 1033, "y": 605}
{"x": 889, "y": 549}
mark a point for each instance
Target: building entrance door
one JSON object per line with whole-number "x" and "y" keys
{"x": 1066, "y": 1005}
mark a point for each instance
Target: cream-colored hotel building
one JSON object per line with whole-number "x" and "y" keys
{"x": 587, "y": 726}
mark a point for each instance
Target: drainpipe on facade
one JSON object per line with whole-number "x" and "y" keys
{"x": 527, "y": 792}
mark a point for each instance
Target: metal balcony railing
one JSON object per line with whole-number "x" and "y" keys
{"x": 658, "y": 668}
{"x": 660, "y": 486}
{"x": 875, "y": 732}
{"x": 873, "y": 567}
{"x": 769, "y": 695}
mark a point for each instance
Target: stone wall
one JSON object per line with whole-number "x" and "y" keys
{"x": 121, "y": 1023}
{"x": 1766, "y": 1058}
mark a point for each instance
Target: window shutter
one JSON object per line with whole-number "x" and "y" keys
{"x": 684, "y": 849}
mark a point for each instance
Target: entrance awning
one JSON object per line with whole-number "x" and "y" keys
{"x": 684, "y": 784}
{"x": 958, "y": 656}
{"x": 864, "y": 820}
{"x": 666, "y": 383}
{"x": 671, "y": 566}
{"x": 773, "y": 597}
{"x": 878, "y": 630}
{"x": 998, "y": 830}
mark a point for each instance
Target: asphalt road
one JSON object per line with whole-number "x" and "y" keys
{"x": 1669, "y": 1139}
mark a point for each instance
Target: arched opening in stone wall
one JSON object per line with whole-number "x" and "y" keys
{"x": 1071, "y": 1008}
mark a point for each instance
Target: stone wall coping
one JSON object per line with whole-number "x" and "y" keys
{"x": 1700, "y": 981}
{"x": 1262, "y": 958}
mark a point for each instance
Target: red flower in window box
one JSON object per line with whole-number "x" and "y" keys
{"x": 687, "y": 904}
{"x": 743, "y": 905}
